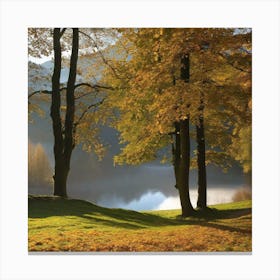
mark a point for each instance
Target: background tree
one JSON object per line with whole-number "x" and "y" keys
{"x": 39, "y": 168}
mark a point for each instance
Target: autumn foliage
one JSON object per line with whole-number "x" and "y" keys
{"x": 160, "y": 88}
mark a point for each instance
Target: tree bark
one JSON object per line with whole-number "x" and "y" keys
{"x": 184, "y": 165}
{"x": 184, "y": 162}
{"x": 70, "y": 102}
{"x": 63, "y": 145}
{"x": 202, "y": 182}
{"x": 59, "y": 169}
{"x": 176, "y": 152}
{"x": 185, "y": 68}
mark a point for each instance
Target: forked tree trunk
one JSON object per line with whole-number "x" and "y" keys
{"x": 63, "y": 146}
{"x": 202, "y": 182}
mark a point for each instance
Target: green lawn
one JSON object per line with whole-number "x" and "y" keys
{"x": 57, "y": 224}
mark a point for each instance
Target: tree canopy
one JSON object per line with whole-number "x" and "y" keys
{"x": 149, "y": 101}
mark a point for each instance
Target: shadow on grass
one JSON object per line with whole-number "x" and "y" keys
{"x": 43, "y": 207}
{"x": 225, "y": 227}
{"x": 212, "y": 213}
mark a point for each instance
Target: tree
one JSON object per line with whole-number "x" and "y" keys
{"x": 63, "y": 140}
{"x": 139, "y": 93}
{"x": 39, "y": 169}
{"x": 67, "y": 124}
{"x": 201, "y": 165}
{"x": 154, "y": 102}
{"x": 184, "y": 159}
{"x": 214, "y": 44}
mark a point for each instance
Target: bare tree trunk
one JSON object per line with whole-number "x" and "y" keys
{"x": 202, "y": 182}
{"x": 59, "y": 169}
{"x": 70, "y": 102}
{"x": 63, "y": 146}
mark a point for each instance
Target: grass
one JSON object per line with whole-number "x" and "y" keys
{"x": 57, "y": 224}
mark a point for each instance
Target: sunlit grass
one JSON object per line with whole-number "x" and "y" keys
{"x": 74, "y": 225}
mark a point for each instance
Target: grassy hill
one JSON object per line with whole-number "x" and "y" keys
{"x": 57, "y": 224}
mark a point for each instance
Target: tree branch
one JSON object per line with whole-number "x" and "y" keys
{"x": 234, "y": 66}
{"x": 101, "y": 54}
{"x": 62, "y": 32}
{"x": 39, "y": 91}
{"x": 85, "y": 111}
{"x": 96, "y": 87}
{"x": 85, "y": 94}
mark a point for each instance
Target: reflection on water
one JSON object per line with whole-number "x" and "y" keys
{"x": 158, "y": 201}
{"x": 214, "y": 196}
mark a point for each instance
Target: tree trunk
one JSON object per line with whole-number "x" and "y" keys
{"x": 202, "y": 182}
{"x": 185, "y": 68}
{"x": 59, "y": 169}
{"x": 184, "y": 165}
{"x": 184, "y": 161}
{"x": 176, "y": 152}
{"x": 63, "y": 146}
{"x": 60, "y": 179}
{"x": 70, "y": 102}
{"x": 176, "y": 147}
